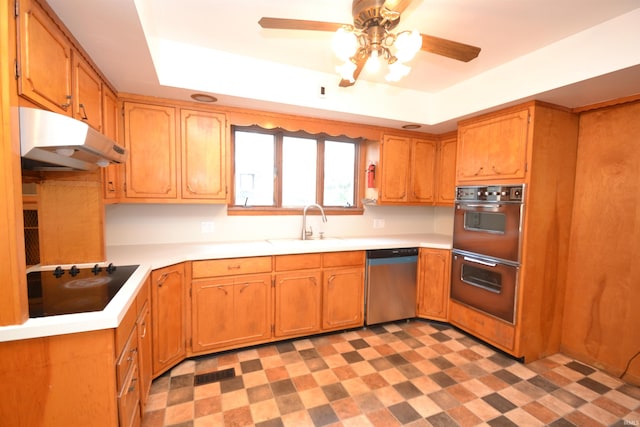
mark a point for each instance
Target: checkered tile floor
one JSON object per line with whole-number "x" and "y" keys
{"x": 406, "y": 373}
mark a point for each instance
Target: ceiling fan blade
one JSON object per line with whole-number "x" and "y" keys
{"x": 397, "y": 5}
{"x": 298, "y": 24}
{"x": 450, "y": 49}
{"x": 356, "y": 73}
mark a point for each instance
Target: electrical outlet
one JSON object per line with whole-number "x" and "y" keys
{"x": 378, "y": 223}
{"x": 207, "y": 227}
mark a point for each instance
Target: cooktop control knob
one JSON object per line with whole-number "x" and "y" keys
{"x": 111, "y": 268}
{"x": 74, "y": 271}
{"x": 96, "y": 270}
{"x": 58, "y": 272}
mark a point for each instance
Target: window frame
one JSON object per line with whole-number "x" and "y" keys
{"x": 279, "y": 134}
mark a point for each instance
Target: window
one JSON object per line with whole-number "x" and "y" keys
{"x": 280, "y": 169}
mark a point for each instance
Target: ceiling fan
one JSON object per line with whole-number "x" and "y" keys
{"x": 370, "y": 36}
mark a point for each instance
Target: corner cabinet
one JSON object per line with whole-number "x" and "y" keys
{"x": 493, "y": 148}
{"x": 176, "y": 155}
{"x": 168, "y": 298}
{"x": 434, "y": 272}
{"x": 446, "y": 170}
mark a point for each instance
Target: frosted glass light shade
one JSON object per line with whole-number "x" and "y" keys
{"x": 346, "y": 70}
{"x": 407, "y": 44}
{"x": 397, "y": 70}
{"x": 345, "y": 44}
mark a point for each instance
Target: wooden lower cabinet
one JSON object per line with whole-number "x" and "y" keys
{"x": 96, "y": 378}
{"x": 434, "y": 272}
{"x": 168, "y": 298}
{"x": 343, "y": 298}
{"x": 230, "y": 311}
{"x": 298, "y": 303}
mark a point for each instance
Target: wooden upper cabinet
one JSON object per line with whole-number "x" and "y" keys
{"x": 446, "y": 171}
{"x": 407, "y": 168}
{"x": 493, "y": 148}
{"x": 112, "y": 175}
{"x": 87, "y": 88}
{"x": 423, "y": 168}
{"x": 150, "y": 137}
{"x": 45, "y": 60}
{"x": 204, "y": 155}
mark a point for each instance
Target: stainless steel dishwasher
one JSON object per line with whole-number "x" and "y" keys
{"x": 391, "y": 283}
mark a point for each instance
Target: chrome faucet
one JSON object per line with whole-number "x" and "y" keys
{"x": 309, "y": 233}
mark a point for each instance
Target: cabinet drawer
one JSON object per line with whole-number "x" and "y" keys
{"x": 144, "y": 295}
{"x": 343, "y": 259}
{"x": 488, "y": 328}
{"x": 128, "y": 358}
{"x": 129, "y": 400}
{"x": 298, "y": 262}
{"x": 123, "y": 331}
{"x": 230, "y": 267}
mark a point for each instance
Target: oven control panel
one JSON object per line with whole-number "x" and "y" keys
{"x": 492, "y": 193}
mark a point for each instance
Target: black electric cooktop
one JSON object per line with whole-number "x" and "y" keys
{"x": 75, "y": 290}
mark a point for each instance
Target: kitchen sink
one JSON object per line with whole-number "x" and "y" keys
{"x": 293, "y": 242}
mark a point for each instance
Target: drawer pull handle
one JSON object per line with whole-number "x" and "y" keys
{"x": 233, "y": 267}
{"x": 132, "y": 386}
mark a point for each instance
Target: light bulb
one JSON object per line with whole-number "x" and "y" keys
{"x": 373, "y": 63}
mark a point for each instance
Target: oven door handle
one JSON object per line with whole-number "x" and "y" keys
{"x": 466, "y": 206}
{"x": 479, "y": 261}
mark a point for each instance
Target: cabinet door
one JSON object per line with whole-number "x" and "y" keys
{"x": 144, "y": 352}
{"x": 494, "y": 148}
{"x": 151, "y": 140}
{"x": 168, "y": 317}
{"x": 446, "y": 172}
{"x": 395, "y": 160}
{"x": 87, "y": 90}
{"x": 111, "y": 175}
{"x": 423, "y": 171}
{"x": 45, "y": 60}
{"x": 433, "y": 283}
{"x": 297, "y": 306}
{"x": 343, "y": 298}
{"x": 212, "y": 314}
{"x": 204, "y": 151}
{"x": 252, "y": 308}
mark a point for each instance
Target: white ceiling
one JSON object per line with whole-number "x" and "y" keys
{"x": 570, "y": 52}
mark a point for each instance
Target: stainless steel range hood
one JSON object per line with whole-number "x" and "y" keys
{"x": 54, "y": 142}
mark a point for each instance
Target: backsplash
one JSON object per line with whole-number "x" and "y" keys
{"x": 131, "y": 224}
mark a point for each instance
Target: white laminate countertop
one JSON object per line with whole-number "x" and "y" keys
{"x": 154, "y": 256}
{"x": 162, "y": 255}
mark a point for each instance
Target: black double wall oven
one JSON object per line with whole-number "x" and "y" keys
{"x": 486, "y": 248}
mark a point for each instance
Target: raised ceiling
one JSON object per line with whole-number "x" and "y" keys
{"x": 570, "y": 52}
